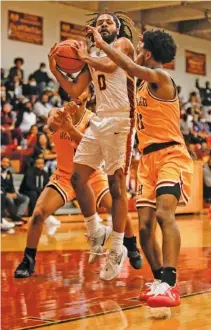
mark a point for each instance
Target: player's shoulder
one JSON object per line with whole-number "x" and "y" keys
{"x": 163, "y": 73}
{"x": 123, "y": 41}
{"x": 126, "y": 46}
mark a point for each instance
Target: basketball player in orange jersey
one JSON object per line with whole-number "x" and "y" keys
{"x": 165, "y": 168}
{"x": 67, "y": 134}
{"x": 109, "y": 137}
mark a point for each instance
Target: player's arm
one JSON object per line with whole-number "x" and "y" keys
{"x": 54, "y": 120}
{"x": 127, "y": 64}
{"x": 76, "y": 88}
{"x": 105, "y": 64}
{"x": 68, "y": 126}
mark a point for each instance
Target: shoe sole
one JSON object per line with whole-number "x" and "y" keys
{"x": 159, "y": 304}
{"x": 124, "y": 257}
{"x": 100, "y": 248}
{"x": 19, "y": 276}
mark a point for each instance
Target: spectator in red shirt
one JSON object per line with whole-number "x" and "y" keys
{"x": 8, "y": 130}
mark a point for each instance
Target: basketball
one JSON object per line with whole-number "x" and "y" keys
{"x": 67, "y": 58}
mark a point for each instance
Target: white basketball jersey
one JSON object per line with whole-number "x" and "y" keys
{"x": 115, "y": 92}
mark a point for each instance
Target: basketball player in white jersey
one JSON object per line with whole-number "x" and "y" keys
{"x": 109, "y": 138}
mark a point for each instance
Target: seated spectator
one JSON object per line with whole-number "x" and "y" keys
{"x": 207, "y": 179}
{"x": 5, "y": 97}
{"x": 41, "y": 77}
{"x": 15, "y": 204}
{"x": 193, "y": 103}
{"x": 205, "y": 93}
{"x": 44, "y": 151}
{"x": 41, "y": 109}
{"x": 26, "y": 118}
{"x": 204, "y": 151}
{"x": 3, "y": 78}
{"x": 32, "y": 137}
{"x": 184, "y": 126}
{"x": 208, "y": 118}
{"x": 16, "y": 70}
{"x": 54, "y": 97}
{"x": 181, "y": 96}
{"x": 191, "y": 150}
{"x": 33, "y": 183}
{"x": 14, "y": 88}
{"x": 195, "y": 138}
{"x": 30, "y": 88}
{"x": 8, "y": 131}
{"x": 5, "y": 225}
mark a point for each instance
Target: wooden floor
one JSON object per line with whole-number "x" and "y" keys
{"x": 66, "y": 292}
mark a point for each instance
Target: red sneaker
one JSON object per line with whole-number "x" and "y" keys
{"x": 148, "y": 292}
{"x": 164, "y": 296}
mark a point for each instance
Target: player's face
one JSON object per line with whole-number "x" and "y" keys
{"x": 40, "y": 164}
{"x": 5, "y": 163}
{"x": 106, "y": 26}
{"x": 143, "y": 55}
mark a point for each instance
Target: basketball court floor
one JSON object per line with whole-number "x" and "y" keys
{"x": 66, "y": 292}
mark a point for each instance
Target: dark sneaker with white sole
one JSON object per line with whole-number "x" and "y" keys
{"x": 133, "y": 252}
{"x": 26, "y": 267}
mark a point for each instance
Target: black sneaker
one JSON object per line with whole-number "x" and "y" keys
{"x": 26, "y": 267}
{"x": 134, "y": 255}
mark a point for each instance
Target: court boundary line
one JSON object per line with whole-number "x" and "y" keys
{"x": 99, "y": 314}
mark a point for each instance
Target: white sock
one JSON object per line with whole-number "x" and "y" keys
{"x": 92, "y": 224}
{"x": 117, "y": 241}
{"x": 109, "y": 220}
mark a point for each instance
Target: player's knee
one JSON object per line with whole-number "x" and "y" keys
{"x": 145, "y": 231}
{"x": 76, "y": 180}
{"x": 116, "y": 185}
{"x": 164, "y": 217}
{"x": 39, "y": 216}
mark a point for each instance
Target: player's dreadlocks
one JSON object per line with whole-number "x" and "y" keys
{"x": 123, "y": 23}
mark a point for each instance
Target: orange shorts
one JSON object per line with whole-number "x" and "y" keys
{"x": 163, "y": 169}
{"x": 61, "y": 181}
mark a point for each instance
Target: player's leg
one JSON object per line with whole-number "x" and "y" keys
{"x": 129, "y": 238}
{"x": 49, "y": 201}
{"x": 117, "y": 143}
{"x": 173, "y": 185}
{"x": 165, "y": 214}
{"x": 150, "y": 247}
{"x": 87, "y": 159}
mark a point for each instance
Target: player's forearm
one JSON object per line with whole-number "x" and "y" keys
{"x": 66, "y": 84}
{"x": 100, "y": 64}
{"x": 122, "y": 60}
{"x": 128, "y": 65}
{"x": 75, "y": 134}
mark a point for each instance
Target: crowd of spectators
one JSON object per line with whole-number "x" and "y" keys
{"x": 25, "y": 104}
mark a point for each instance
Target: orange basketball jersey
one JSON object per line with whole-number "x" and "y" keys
{"x": 157, "y": 120}
{"x": 65, "y": 146}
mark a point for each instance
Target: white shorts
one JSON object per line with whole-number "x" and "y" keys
{"x": 107, "y": 141}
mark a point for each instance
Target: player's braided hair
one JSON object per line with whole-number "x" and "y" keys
{"x": 123, "y": 23}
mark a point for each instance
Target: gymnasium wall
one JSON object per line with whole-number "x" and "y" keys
{"x": 53, "y": 13}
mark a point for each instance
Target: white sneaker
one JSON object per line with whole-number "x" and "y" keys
{"x": 96, "y": 242}
{"x": 52, "y": 221}
{"x": 113, "y": 264}
{"x": 7, "y": 225}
